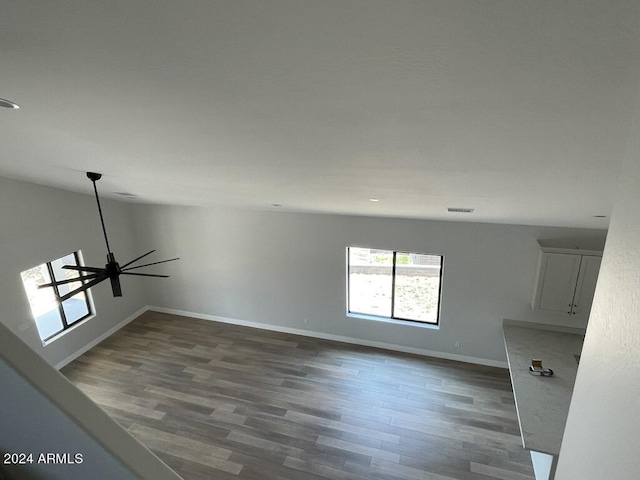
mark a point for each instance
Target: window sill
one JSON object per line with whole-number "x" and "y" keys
{"x": 408, "y": 323}
{"x": 62, "y": 333}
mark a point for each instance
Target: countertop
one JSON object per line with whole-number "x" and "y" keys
{"x": 542, "y": 403}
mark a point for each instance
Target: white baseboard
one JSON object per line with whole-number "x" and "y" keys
{"x": 102, "y": 337}
{"x": 337, "y": 338}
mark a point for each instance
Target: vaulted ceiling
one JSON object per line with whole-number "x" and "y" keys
{"x": 518, "y": 109}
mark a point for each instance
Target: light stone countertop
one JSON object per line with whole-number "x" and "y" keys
{"x": 542, "y": 403}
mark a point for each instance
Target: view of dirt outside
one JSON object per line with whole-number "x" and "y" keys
{"x": 417, "y": 284}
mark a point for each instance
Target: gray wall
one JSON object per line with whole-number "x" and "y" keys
{"x": 279, "y": 268}
{"x": 274, "y": 268}
{"x": 39, "y": 224}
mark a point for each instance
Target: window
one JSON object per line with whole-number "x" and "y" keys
{"x": 51, "y": 315}
{"x": 398, "y": 285}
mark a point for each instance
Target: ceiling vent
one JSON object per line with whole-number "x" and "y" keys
{"x": 127, "y": 194}
{"x": 460, "y": 210}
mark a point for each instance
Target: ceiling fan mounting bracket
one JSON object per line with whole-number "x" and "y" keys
{"x": 94, "y": 176}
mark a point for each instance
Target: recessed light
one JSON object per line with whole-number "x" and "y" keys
{"x": 599, "y": 216}
{"x": 277, "y": 205}
{"x": 460, "y": 210}
{"x": 8, "y": 104}
{"x": 374, "y": 199}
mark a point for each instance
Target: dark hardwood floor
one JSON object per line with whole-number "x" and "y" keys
{"x": 218, "y": 401}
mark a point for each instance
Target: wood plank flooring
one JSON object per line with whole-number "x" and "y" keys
{"x": 218, "y": 401}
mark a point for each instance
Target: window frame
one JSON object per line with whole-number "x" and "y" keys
{"x": 392, "y": 318}
{"x": 77, "y": 255}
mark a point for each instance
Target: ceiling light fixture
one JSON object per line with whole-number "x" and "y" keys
{"x": 374, "y": 199}
{"x": 8, "y": 104}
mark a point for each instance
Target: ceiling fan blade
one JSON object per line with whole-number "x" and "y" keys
{"x": 82, "y": 268}
{"x": 115, "y": 286}
{"x": 144, "y": 274}
{"x": 69, "y": 280}
{"x": 136, "y": 259}
{"x": 84, "y": 287}
{"x": 147, "y": 264}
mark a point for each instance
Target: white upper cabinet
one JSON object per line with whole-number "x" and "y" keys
{"x": 586, "y": 285}
{"x": 559, "y": 275}
{"x": 566, "y": 281}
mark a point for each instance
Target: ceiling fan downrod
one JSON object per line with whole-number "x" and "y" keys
{"x": 94, "y": 177}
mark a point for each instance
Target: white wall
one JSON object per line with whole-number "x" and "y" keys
{"x": 279, "y": 268}
{"x": 602, "y": 436}
{"x": 39, "y": 224}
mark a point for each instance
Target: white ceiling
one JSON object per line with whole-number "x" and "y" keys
{"x": 519, "y": 109}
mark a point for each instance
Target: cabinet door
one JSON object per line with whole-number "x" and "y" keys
{"x": 559, "y": 276}
{"x": 586, "y": 285}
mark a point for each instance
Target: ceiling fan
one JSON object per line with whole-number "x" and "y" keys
{"x": 112, "y": 270}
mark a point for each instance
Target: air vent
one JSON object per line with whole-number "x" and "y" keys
{"x": 460, "y": 210}
{"x": 126, "y": 194}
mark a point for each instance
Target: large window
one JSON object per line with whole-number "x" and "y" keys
{"x": 51, "y": 315}
{"x": 390, "y": 284}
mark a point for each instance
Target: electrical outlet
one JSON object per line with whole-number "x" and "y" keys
{"x": 457, "y": 344}
{"x": 306, "y": 321}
